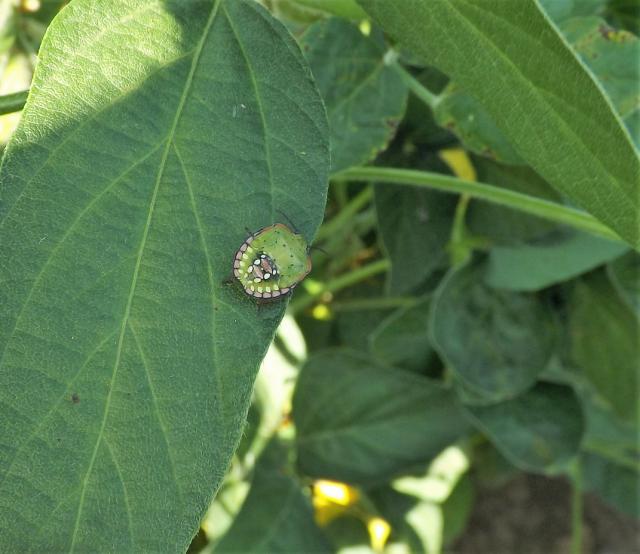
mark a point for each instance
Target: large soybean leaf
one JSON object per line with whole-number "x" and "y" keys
{"x": 495, "y": 342}
{"x": 549, "y": 259}
{"x": 605, "y": 343}
{"x": 362, "y": 422}
{"x": 512, "y": 59}
{"x": 365, "y": 96}
{"x": 540, "y": 430}
{"x": 276, "y": 517}
{"x": 155, "y": 132}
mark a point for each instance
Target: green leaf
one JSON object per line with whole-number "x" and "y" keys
{"x": 465, "y": 116}
{"x": 415, "y": 226}
{"x": 361, "y": 422}
{"x": 612, "y": 56}
{"x": 276, "y": 517}
{"x": 402, "y": 339}
{"x": 598, "y": 316}
{"x": 495, "y": 342}
{"x": 548, "y": 260}
{"x": 154, "y": 133}
{"x": 559, "y": 10}
{"x": 364, "y": 95}
{"x": 624, "y": 273}
{"x": 538, "y": 431}
{"x": 615, "y": 483}
{"x": 547, "y": 104}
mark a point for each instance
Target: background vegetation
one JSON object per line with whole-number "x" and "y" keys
{"x": 472, "y": 315}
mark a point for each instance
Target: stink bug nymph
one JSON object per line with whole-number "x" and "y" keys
{"x": 272, "y": 261}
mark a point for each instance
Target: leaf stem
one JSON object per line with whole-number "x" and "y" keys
{"x": 339, "y": 283}
{"x": 482, "y": 191}
{"x": 13, "y": 102}
{"x": 576, "y": 508}
{"x": 423, "y": 93}
{"x": 378, "y": 303}
{"x": 346, "y": 214}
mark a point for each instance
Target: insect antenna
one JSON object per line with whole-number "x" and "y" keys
{"x": 313, "y": 247}
{"x": 293, "y": 225}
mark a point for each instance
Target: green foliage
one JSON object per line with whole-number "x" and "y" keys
{"x": 365, "y": 96}
{"x": 363, "y": 422}
{"x": 495, "y": 342}
{"x": 545, "y": 110}
{"x": 119, "y": 227}
{"x": 540, "y": 430}
{"x": 600, "y": 317}
{"x": 463, "y": 322}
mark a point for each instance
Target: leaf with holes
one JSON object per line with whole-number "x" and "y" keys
{"x": 155, "y": 132}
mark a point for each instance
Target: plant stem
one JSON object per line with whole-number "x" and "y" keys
{"x": 576, "y": 508}
{"x": 13, "y": 102}
{"x": 339, "y": 283}
{"x": 345, "y": 215}
{"x": 378, "y": 303}
{"x": 482, "y": 191}
{"x": 415, "y": 86}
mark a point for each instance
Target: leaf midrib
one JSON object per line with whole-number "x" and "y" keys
{"x": 194, "y": 64}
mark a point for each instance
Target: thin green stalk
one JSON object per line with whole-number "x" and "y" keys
{"x": 576, "y": 509}
{"x": 346, "y": 214}
{"x": 13, "y": 102}
{"x": 377, "y": 303}
{"x": 482, "y": 191}
{"x": 339, "y": 283}
{"x": 415, "y": 86}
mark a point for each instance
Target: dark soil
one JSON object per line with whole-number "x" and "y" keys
{"x": 532, "y": 515}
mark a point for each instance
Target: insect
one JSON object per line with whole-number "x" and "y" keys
{"x": 272, "y": 261}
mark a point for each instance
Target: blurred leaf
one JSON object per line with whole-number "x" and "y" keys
{"x": 495, "y": 342}
{"x": 402, "y": 339}
{"x": 127, "y": 364}
{"x": 276, "y": 517}
{"x": 547, "y": 260}
{"x": 504, "y": 225}
{"x": 615, "y": 483}
{"x": 354, "y": 328}
{"x": 612, "y": 56}
{"x": 365, "y": 97}
{"x": 538, "y": 431}
{"x": 415, "y": 226}
{"x": 360, "y": 422}
{"x": 7, "y": 27}
{"x": 462, "y": 114}
{"x": 456, "y": 509}
{"x": 486, "y": 47}
{"x": 605, "y": 342}
{"x": 625, "y": 276}
{"x": 559, "y": 10}
{"x": 624, "y": 14}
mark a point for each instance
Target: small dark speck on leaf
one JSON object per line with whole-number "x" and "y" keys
{"x": 75, "y": 398}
